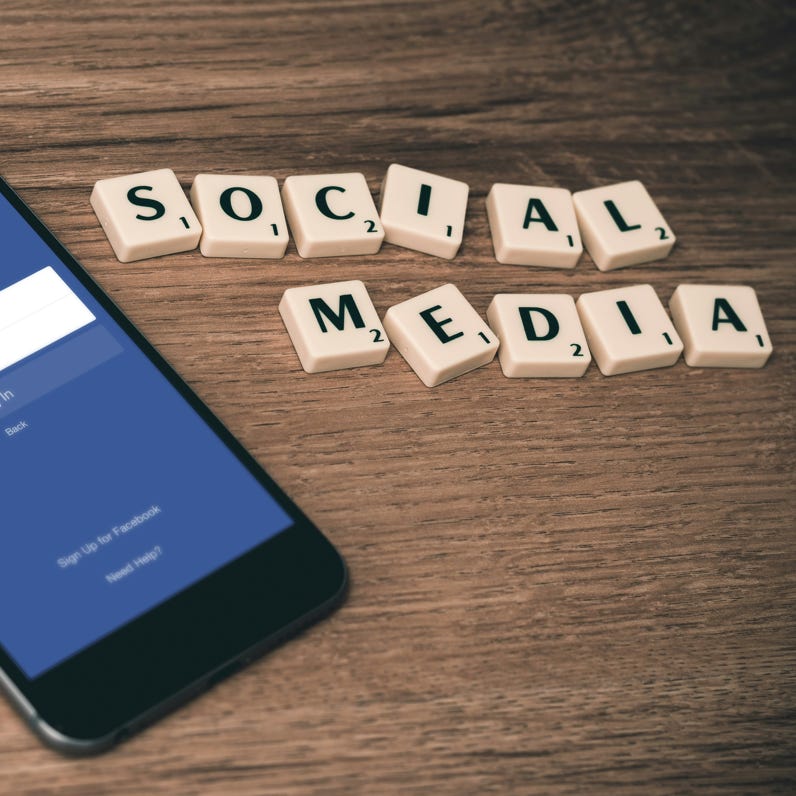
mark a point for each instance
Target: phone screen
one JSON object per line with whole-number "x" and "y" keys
{"x": 114, "y": 493}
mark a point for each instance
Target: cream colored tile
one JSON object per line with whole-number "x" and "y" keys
{"x": 533, "y": 226}
{"x": 241, "y": 216}
{"x": 540, "y": 335}
{"x": 621, "y": 225}
{"x": 145, "y": 215}
{"x": 628, "y": 330}
{"x": 333, "y": 326}
{"x": 423, "y": 211}
{"x": 721, "y": 326}
{"x": 440, "y": 335}
{"x": 332, "y": 215}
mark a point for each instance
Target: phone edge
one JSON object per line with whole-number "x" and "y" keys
{"x": 79, "y": 747}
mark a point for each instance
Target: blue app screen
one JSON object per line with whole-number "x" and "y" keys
{"x": 114, "y": 494}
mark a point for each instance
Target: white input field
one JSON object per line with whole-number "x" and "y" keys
{"x": 36, "y": 312}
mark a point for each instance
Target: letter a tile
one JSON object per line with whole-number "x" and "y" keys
{"x": 333, "y": 326}
{"x": 721, "y": 325}
{"x": 440, "y": 335}
{"x": 621, "y": 225}
{"x": 628, "y": 330}
{"x": 533, "y": 226}
{"x": 145, "y": 215}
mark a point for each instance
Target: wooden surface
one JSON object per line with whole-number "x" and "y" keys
{"x": 558, "y": 586}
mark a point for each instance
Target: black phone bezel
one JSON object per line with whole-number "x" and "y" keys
{"x": 197, "y": 636}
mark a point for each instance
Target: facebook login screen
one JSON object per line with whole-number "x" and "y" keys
{"x": 114, "y": 494}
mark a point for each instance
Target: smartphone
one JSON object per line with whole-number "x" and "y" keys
{"x": 145, "y": 554}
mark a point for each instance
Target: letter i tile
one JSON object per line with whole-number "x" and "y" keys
{"x": 423, "y": 211}
{"x": 628, "y": 330}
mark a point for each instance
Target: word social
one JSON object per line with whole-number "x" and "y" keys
{"x": 439, "y": 333}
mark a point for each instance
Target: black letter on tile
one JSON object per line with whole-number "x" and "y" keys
{"x": 424, "y": 200}
{"x": 436, "y": 326}
{"x": 730, "y": 316}
{"x": 225, "y": 200}
{"x": 544, "y": 216}
{"x": 323, "y": 204}
{"x": 630, "y": 319}
{"x": 347, "y": 303}
{"x": 617, "y": 217}
{"x": 527, "y": 323}
{"x": 142, "y": 201}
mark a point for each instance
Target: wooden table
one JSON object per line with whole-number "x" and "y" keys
{"x": 558, "y": 586}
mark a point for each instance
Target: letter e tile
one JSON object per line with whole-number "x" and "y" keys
{"x": 440, "y": 335}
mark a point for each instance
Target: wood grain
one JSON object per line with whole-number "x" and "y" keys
{"x": 557, "y": 586}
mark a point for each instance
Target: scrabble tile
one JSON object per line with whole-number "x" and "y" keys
{"x": 440, "y": 335}
{"x": 621, "y": 225}
{"x": 241, "y": 216}
{"x": 423, "y": 211}
{"x": 145, "y": 215}
{"x": 533, "y": 226}
{"x": 628, "y": 330}
{"x": 540, "y": 335}
{"x": 331, "y": 215}
{"x": 333, "y": 326}
{"x": 721, "y": 326}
